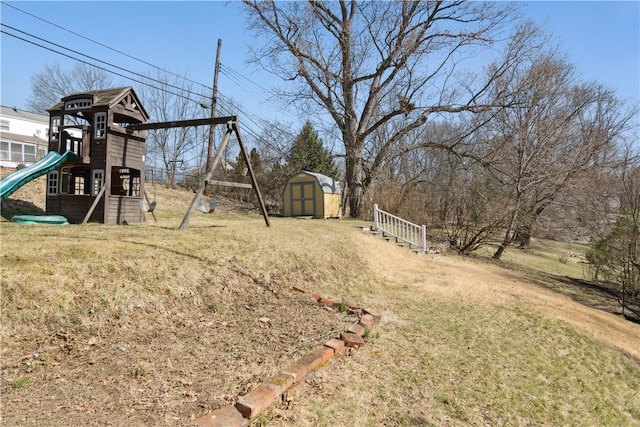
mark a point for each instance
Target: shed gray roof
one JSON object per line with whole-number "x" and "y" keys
{"x": 328, "y": 184}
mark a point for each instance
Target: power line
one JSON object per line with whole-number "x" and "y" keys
{"x": 114, "y": 66}
{"x": 249, "y": 116}
{"x": 99, "y": 67}
{"x": 104, "y": 45}
{"x": 250, "y": 130}
{"x": 98, "y": 60}
{"x": 232, "y": 74}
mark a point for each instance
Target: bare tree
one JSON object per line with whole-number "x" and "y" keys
{"x": 366, "y": 64}
{"x": 615, "y": 256}
{"x": 557, "y": 129}
{"x": 175, "y": 149}
{"x": 53, "y": 83}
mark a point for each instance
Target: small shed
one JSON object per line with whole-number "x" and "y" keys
{"x": 312, "y": 194}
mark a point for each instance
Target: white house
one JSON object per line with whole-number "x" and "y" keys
{"x": 23, "y": 137}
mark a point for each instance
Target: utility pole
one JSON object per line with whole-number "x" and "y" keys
{"x": 214, "y": 100}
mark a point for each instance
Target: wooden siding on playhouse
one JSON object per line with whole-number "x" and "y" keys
{"x": 123, "y": 209}
{"x": 116, "y": 149}
{"x": 126, "y": 150}
{"x": 73, "y": 207}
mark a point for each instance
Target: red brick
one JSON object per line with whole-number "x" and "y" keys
{"x": 316, "y": 297}
{"x": 376, "y": 316}
{"x": 227, "y": 416}
{"x": 256, "y": 401}
{"x": 355, "y": 311}
{"x": 326, "y": 301}
{"x": 279, "y": 383}
{"x": 304, "y": 365}
{"x": 357, "y": 329}
{"x": 335, "y": 344}
{"x": 296, "y": 372}
{"x": 351, "y": 340}
{"x": 325, "y": 353}
{"x": 367, "y": 321}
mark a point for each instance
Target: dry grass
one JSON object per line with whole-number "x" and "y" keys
{"x": 147, "y": 325}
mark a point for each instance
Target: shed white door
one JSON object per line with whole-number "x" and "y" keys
{"x": 303, "y": 198}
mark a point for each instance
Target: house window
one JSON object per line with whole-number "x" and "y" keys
{"x": 17, "y": 152}
{"x": 28, "y": 153}
{"x": 100, "y": 125}
{"x": 4, "y": 151}
{"x": 125, "y": 182}
{"x": 78, "y": 104}
{"x": 4, "y": 124}
{"x": 55, "y": 125}
{"x": 98, "y": 181}
{"x": 52, "y": 183}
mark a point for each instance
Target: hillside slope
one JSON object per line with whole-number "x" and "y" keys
{"x": 146, "y": 325}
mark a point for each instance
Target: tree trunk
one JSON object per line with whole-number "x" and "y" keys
{"x": 354, "y": 169}
{"x": 354, "y": 184}
{"x": 523, "y": 236}
{"x": 508, "y": 238}
{"x": 500, "y": 250}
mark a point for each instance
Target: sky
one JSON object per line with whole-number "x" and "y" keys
{"x": 602, "y": 39}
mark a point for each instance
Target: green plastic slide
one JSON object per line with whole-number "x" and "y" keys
{"x": 40, "y": 219}
{"x": 52, "y": 161}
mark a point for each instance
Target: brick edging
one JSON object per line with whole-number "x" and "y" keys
{"x": 276, "y": 388}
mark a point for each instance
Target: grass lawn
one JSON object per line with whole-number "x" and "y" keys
{"x": 146, "y": 325}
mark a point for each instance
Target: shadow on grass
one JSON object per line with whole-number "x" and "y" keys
{"x": 11, "y": 207}
{"x": 591, "y": 294}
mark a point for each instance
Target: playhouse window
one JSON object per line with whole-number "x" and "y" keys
{"x": 100, "y": 125}
{"x": 75, "y": 181}
{"x": 80, "y": 181}
{"x": 125, "y": 182}
{"x": 70, "y": 143}
{"x": 78, "y": 185}
{"x": 98, "y": 181}
{"x": 52, "y": 183}
{"x": 55, "y": 125}
{"x": 78, "y": 104}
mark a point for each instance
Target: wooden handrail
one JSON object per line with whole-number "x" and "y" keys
{"x": 400, "y": 228}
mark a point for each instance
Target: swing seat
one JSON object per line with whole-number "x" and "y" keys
{"x": 203, "y": 208}
{"x": 144, "y": 207}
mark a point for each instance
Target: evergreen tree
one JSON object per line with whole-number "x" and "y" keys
{"x": 308, "y": 153}
{"x": 240, "y": 171}
{"x": 256, "y": 161}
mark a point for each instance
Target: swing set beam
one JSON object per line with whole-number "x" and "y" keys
{"x": 182, "y": 123}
